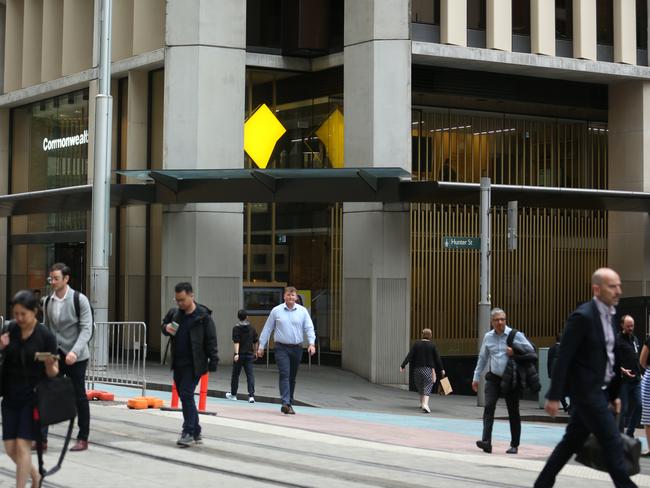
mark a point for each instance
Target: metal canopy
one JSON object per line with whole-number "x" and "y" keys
{"x": 527, "y": 196}
{"x": 70, "y": 199}
{"x": 388, "y": 185}
{"x": 275, "y": 185}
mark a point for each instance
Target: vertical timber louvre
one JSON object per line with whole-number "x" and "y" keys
{"x": 558, "y": 249}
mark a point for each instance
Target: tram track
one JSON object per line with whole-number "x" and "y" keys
{"x": 315, "y": 468}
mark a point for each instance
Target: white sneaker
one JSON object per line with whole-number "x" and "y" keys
{"x": 251, "y": 399}
{"x": 229, "y": 396}
{"x": 426, "y": 408}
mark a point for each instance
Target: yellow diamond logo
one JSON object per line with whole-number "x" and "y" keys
{"x": 262, "y": 131}
{"x": 331, "y": 134}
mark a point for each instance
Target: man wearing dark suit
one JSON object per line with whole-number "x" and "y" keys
{"x": 585, "y": 368}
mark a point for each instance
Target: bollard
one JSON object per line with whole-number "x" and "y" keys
{"x": 174, "y": 395}
{"x": 203, "y": 393}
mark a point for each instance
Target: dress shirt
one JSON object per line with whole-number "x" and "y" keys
{"x": 494, "y": 349}
{"x": 606, "y": 313}
{"x": 289, "y": 326}
{"x": 57, "y": 304}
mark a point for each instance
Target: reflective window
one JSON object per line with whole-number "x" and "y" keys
{"x": 521, "y": 17}
{"x": 476, "y": 14}
{"x": 425, "y": 11}
{"x": 564, "y": 19}
{"x": 605, "y": 22}
{"x": 641, "y": 24}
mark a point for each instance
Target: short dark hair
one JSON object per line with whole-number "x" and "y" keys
{"x": 64, "y": 268}
{"x": 185, "y": 286}
{"x": 25, "y": 298}
{"x": 241, "y": 315}
{"x": 35, "y": 291}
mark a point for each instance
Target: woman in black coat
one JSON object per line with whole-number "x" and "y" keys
{"x": 21, "y": 372}
{"x": 425, "y": 361}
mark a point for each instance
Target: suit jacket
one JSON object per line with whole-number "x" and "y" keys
{"x": 579, "y": 368}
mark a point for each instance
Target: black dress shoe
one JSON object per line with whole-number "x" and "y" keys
{"x": 286, "y": 408}
{"x": 486, "y": 446}
{"x": 512, "y": 450}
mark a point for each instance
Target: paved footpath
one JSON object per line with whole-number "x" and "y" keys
{"x": 255, "y": 445}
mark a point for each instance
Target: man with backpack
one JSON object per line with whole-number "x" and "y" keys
{"x": 68, "y": 314}
{"x": 193, "y": 338}
{"x": 495, "y": 353}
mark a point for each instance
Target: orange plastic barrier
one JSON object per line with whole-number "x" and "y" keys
{"x": 203, "y": 393}
{"x": 100, "y": 395}
{"x": 153, "y": 402}
{"x": 174, "y": 395}
{"x": 137, "y": 403}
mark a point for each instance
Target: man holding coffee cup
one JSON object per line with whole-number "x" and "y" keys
{"x": 193, "y": 338}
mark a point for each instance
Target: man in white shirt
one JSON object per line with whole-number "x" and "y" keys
{"x": 289, "y": 322}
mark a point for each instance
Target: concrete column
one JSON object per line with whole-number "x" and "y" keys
{"x": 453, "y": 22}
{"x": 629, "y": 169}
{"x": 376, "y": 267}
{"x": 122, "y": 29}
{"x": 205, "y": 76}
{"x": 148, "y": 25}
{"x": 78, "y": 23}
{"x": 4, "y": 190}
{"x": 584, "y": 29}
{"x": 32, "y": 45}
{"x": 52, "y": 46}
{"x": 134, "y": 231}
{"x": 624, "y": 32}
{"x": 542, "y": 27}
{"x": 14, "y": 46}
{"x": 499, "y": 24}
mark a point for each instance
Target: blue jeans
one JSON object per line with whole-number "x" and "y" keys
{"x": 630, "y": 394}
{"x": 245, "y": 361}
{"x": 186, "y": 383}
{"x": 288, "y": 359}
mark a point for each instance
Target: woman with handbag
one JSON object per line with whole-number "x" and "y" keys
{"x": 21, "y": 339}
{"x": 425, "y": 360}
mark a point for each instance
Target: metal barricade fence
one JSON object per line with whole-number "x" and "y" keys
{"x": 118, "y": 353}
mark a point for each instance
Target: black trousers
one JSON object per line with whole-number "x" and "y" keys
{"x": 245, "y": 361}
{"x": 588, "y": 415}
{"x": 492, "y": 393}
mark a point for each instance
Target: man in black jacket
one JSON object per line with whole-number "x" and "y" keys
{"x": 628, "y": 350}
{"x": 550, "y": 361}
{"x": 586, "y": 368}
{"x": 194, "y": 349}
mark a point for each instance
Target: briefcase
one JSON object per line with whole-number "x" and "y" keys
{"x": 592, "y": 456}
{"x": 444, "y": 387}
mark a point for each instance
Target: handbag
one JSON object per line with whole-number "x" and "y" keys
{"x": 444, "y": 387}
{"x": 592, "y": 456}
{"x": 55, "y": 403}
{"x": 55, "y": 400}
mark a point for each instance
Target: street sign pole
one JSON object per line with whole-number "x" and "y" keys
{"x": 484, "y": 303}
{"x": 99, "y": 273}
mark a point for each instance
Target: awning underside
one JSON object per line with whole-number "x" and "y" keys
{"x": 387, "y": 185}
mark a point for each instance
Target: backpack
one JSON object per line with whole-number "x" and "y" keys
{"x": 77, "y": 309}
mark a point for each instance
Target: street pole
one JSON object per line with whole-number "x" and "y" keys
{"x": 99, "y": 273}
{"x": 484, "y": 303}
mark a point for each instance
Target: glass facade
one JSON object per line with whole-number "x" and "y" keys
{"x": 49, "y": 149}
{"x": 291, "y": 243}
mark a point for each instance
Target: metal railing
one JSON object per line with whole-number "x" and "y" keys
{"x": 118, "y": 353}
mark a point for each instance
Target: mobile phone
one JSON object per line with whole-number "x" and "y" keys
{"x": 42, "y": 356}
